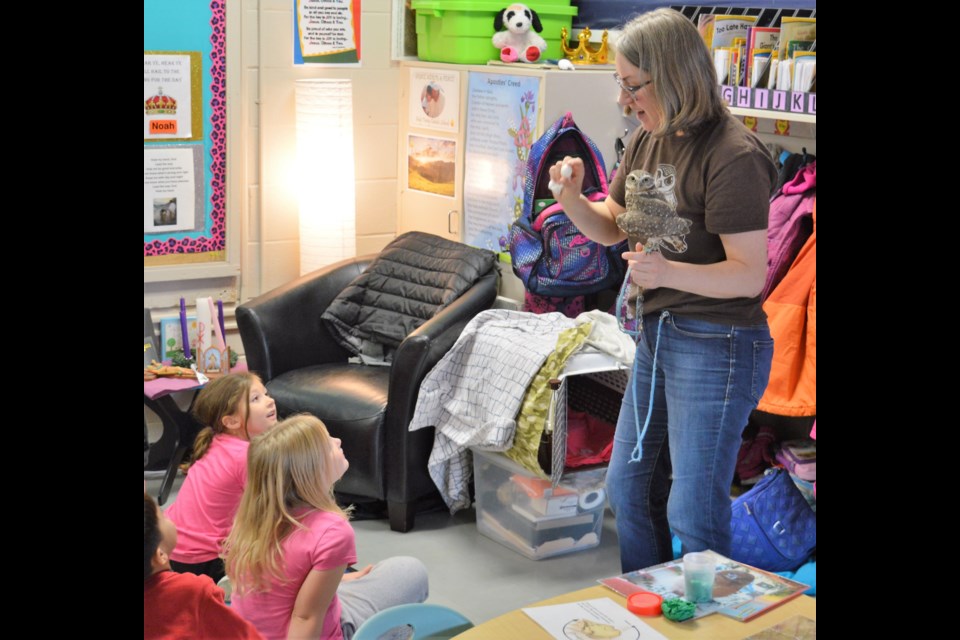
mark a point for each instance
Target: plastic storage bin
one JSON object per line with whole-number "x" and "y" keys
{"x": 527, "y": 514}
{"x": 461, "y": 32}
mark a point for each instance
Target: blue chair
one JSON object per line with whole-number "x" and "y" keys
{"x": 419, "y": 621}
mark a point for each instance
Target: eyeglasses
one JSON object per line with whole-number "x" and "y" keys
{"x": 630, "y": 91}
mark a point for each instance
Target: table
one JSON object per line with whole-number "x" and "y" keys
{"x": 180, "y": 429}
{"x": 515, "y": 625}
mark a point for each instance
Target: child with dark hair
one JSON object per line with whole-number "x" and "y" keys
{"x": 181, "y": 605}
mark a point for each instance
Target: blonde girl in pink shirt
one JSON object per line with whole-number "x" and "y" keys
{"x": 234, "y": 409}
{"x": 291, "y": 543}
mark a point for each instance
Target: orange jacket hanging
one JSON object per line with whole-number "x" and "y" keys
{"x": 792, "y": 314}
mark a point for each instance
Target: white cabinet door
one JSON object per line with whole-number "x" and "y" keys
{"x": 430, "y": 158}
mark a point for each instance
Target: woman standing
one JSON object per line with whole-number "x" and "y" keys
{"x": 704, "y": 350}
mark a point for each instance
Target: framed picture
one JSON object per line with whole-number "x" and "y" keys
{"x": 171, "y": 335}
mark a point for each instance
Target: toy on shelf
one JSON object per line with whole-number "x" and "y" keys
{"x": 583, "y": 54}
{"x": 215, "y": 362}
{"x": 206, "y": 350}
{"x": 519, "y": 43}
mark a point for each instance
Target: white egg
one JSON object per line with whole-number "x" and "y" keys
{"x": 565, "y": 65}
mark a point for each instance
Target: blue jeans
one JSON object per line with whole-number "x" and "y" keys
{"x": 709, "y": 378}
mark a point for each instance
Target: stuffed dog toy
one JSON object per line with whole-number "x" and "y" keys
{"x": 518, "y": 42}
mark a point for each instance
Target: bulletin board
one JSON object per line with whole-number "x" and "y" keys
{"x": 184, "y": 147}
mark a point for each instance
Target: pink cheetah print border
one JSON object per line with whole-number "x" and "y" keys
{"x": 218, "y": 138}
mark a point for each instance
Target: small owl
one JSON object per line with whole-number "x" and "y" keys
{"x": 650, "y": 218}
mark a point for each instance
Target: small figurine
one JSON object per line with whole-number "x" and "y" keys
{"x": 518, "y": 42}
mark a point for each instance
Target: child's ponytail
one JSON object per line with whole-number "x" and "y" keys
{"x": 221, "y": 398}
{"x": 202, "y": 443}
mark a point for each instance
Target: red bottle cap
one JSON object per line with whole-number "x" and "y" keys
{"x": 644, "y": 603}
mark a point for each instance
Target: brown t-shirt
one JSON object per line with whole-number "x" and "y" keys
{"x": 721, "y": 180}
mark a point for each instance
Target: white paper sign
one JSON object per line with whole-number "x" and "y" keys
{"x": 326, "y": 28}
{"x": 168, "y": 189}
{"x": 167, "y": 108}
{"x": 588, "y": 619}
{"x": 435, "y": 99}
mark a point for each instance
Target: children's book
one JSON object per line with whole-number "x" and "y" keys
{"x": 795, "y": 46}
{"x": 759, "y": 39}
{"x": 171, "y": 336}
{"x": 740, "y": 591}
{"x": 795, "y": 29}
{"x": 589, "y": 619}
{"x": 719, "y": 30}
{"x": 763, "y": 37}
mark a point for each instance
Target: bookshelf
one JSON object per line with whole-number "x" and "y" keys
{"x": 794, "y": 131}
{"x": 774, "y": 115}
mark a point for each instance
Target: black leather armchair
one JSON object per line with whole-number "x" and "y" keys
{"x": 368, "y": 407}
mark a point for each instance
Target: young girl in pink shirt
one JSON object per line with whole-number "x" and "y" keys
{"x": 234, "y": 409}
{"x": 291, "y": 543}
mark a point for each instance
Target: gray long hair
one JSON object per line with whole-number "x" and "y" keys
{"x": 665, "y": 44}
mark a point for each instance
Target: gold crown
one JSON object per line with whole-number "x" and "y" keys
{"x": 159, "y": 104}
{"x": 583, "y": 54}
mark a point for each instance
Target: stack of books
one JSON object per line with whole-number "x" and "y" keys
{"x": 780, "y": 58}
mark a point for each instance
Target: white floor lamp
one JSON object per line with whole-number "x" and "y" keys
{"x": 326, "y": 176}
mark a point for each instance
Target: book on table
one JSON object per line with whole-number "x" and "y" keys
{"x": 740, "y": 591}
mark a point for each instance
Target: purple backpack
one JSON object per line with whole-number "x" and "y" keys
{"x": 550, "y": 255}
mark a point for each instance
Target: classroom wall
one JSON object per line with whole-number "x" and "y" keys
{"x": 261, "y": 147}
{"x": 271, "y": 235}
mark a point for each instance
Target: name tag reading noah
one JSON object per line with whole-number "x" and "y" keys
{"x": 163, "y": 126}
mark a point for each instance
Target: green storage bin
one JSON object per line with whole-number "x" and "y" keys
{"x": 462, "y": 32}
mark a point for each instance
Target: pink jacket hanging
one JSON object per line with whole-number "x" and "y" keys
{"x": 789, "y": 224}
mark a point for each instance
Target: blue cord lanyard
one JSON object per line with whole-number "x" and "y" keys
{"x": 622, "y": 302}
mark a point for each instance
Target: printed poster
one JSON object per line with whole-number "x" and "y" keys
{"x": 326, "y": 32}
{"x": 501, "y": 117}
{"x": 171, "y": 92}
{"x": 435, "y": 99}
{"x": 431, "y": 165}
{"x": 172, "y": 188}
